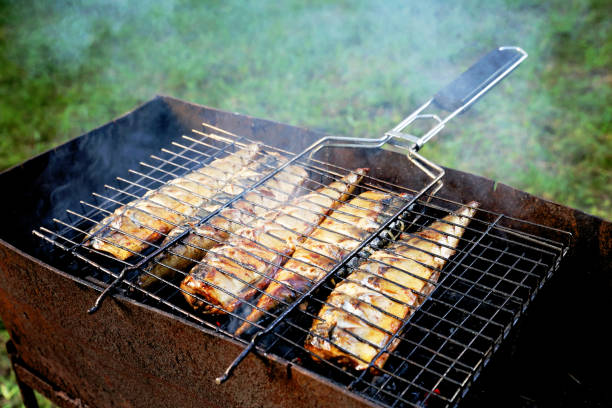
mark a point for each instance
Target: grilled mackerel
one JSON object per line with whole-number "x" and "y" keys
{"x": 337, "y": 236}
{"x": 136, "y": 225}
{"x": 234, "y": 272}
{"x": 191, "y": 249}
{"x": 365, "y": 309}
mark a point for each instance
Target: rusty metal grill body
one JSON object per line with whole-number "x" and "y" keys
{"x": 144, "y": 351}
{"x": 481, "y": 292}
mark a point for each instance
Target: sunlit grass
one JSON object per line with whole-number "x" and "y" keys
{"x": 353, "y": 68}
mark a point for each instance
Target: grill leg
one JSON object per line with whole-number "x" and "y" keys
{"x": 27, "y": 393}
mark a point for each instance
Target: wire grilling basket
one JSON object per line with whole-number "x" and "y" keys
{"x": 457, "y": 316}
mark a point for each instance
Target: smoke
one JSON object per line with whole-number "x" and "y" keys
{"x": 72, "y": 29}
{"x": 351, "y": 68}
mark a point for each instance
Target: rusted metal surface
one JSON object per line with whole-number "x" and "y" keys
{"x": 52, "y": 393}
{"x": 128, "y": 354}
{"x": 29, "y": 381}
{"x": 131, "y": 355}
{"x": 27, "y": 391}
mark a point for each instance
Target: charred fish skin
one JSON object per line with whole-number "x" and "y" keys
{"x": 183, "y": 255}
{"x": 132, "y": 227}
{"x": 386, "y": 288}
{"x": 338, "y": 235}
{"x": 235, "y": 272}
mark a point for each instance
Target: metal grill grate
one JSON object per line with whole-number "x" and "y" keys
{"x": 443, "y": 345}
{"x": 482, "y": 269}
{"x": 499, "y": 265}
{"x": 191, "y": 153}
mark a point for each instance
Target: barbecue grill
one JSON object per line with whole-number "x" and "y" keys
{"x": 146, "y": 346}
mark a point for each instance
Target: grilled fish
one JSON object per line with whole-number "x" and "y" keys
{"x": 184, "y": 254}
{"x": 234, "y": 272}
{"x": 336, "y": 237}
{"x": 375, "y": 299}
{"x": 134, "y": 226}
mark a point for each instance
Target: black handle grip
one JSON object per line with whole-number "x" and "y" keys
{"x": 486, "y": 71}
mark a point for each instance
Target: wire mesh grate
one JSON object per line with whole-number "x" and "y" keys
{"x": 445, "y": 343}
{"x": 464, "y": 309}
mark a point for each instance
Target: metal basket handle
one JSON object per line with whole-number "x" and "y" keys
{"x": 460, "y": 94}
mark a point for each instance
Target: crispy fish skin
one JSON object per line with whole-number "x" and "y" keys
{"x": 336, "y": 237}
{"x": 395, "y": 280}
{"x": 236, "y": 271}
{"x": 191, "y": 249}
{"x": 132, "y": 227}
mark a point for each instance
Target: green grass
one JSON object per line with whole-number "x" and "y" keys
{"x": 346, "y": 67}
{"x": 9, "y": 392}
{"x": 353, "y": 68}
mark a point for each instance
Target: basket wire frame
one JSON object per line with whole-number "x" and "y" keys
{"x": 444, "y": 343}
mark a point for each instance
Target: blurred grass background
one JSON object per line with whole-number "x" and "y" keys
{"x": 345, "y": 67}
